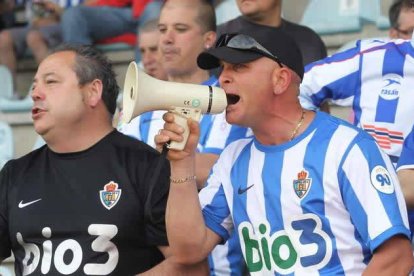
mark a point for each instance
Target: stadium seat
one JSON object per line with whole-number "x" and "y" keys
{"x": 6, "y": 80}
{"x": 114, "y": 47}
{"x": 14, "y": 105}
{"x": 372, "y": 12}
{"x": 6, "y": 271}
{"x": 6, "y": 143}
{"x": 7, "y": 267}
{"x": 332, "y": 16}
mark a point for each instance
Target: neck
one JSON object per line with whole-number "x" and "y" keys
{"x": 196, "y": 77}
{"x": 75, "y": 139}
{"x": 270, "y": 18}
{"x": 284, "y": 126}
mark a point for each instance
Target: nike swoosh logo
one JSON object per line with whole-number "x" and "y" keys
{"x": 22, "y": 205}
{"x": 242, "y": 191}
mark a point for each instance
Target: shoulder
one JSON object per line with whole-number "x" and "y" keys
{"x": 233, "y": 150}
{"x": 296, "y": 29}
{"x": 341, "y": 129}
{"x": 230, "y": 26}
{"x": 126, "y": 143}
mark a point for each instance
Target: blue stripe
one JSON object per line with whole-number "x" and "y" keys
{"x": 238, "y": 176}
{"x": 356, "y": 211}
{"x": 205, "y": 129}
{"x": 144, "y": 125}
{"x": 393, "y": 64}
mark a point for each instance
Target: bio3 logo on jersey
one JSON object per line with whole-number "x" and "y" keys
{"x": 55, "y": 253}
{"x": 391, "y": 86}
{"x": 302, "y": 245}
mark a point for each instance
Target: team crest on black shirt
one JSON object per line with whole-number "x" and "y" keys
{"x": 110, "y": 195}
{"x": 302, "y": 184}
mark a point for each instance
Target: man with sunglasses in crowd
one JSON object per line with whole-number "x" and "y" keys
{"x": 309, "y": 193}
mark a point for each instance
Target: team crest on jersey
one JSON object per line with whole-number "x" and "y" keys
{"x": 381, "y": 180}
{"x": 110, "y": 195}
{"x": 302, "y": 184}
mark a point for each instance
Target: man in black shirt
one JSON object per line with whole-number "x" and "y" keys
{"x": 267, "y": 14}
{"x": 89, "y": 202}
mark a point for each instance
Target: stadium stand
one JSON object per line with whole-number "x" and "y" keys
{"x": 6, "y": 143}
{"x": 328, "y": 17}
{"x": 6, "y": 80}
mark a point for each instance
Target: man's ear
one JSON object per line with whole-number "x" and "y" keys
{"x": 281, "y": 79}
{"x": 209, "y": 39}
{"x": 393, "y": 33}
{"x": 94, "y": 92}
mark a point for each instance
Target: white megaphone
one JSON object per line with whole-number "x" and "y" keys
{"x": 143, "y": 93}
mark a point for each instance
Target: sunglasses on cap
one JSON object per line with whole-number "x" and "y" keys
{"x": 245, "y": 42}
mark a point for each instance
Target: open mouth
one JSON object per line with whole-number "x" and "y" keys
{"x": 232, "y": 99}
{"x": 36, "y": 110}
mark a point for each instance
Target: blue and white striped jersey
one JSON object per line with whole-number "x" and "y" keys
{"x": 406, "y": 160}
{"x": 375, "y": 78}
{"x": 317, "y": 205}
{"x": 215, "y": 135}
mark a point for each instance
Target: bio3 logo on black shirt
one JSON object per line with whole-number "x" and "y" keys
{"x": 54, "y": 253}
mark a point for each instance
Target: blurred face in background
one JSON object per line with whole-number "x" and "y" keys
{"x": 405, "y": 25}
{"x": 150, "y": 54}
{"x": 181, "y": 37}
{"x": 256, "y": 8}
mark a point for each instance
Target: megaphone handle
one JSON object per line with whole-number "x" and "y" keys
{"x": 180, "y": 117}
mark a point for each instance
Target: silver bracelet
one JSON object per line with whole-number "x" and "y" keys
{"x": 183, "y": 180}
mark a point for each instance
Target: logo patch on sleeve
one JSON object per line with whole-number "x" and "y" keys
{"x": 381, "y": 180}
{"x": 110, "y": 195}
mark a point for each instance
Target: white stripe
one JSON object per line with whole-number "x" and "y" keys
{"x": 255, "y": 206}
{"x": 339, "y": 219}
{"x": 293, "y": 163}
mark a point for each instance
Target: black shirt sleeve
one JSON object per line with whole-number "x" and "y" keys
{"x": 158, "y": 181}
{"x": 5, "y": 246}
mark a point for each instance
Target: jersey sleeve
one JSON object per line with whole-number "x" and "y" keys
{"x": 5, "y": 245}
{"x": 214, "y": 204}
{"x": 406, "y": 160}
{"x": 155, "y": 204}
{"x": 216, "y": 134}
{"x": 335, "y": 78}
{"x": 131, "y": 129}
{"x": 372, "y": 194}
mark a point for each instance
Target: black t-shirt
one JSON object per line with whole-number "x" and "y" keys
{"x": 83, "y": 213}
{"x": 309, "y": 42}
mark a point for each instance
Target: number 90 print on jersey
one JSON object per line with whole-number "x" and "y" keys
{"x": 56, "y": 254}
{"x": 303, "y": 245}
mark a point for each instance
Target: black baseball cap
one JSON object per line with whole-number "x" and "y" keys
{"x": 246, "y": 46}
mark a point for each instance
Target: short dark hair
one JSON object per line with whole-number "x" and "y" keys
{"x": 206, "y": 17}
{"x": 395, "y": 10}
{"x": 91, "y": 64}
{"x": 148, "y": 26}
